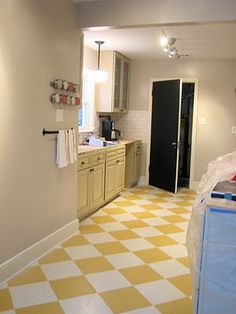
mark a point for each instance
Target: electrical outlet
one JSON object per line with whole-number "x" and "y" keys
{"x": 233, "y": 130}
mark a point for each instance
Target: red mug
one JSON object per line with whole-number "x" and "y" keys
{"x": 77, "y": 101}
{"x": 62, "y": 99}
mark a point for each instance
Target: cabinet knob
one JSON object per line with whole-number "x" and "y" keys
{"x": 117, "y": 161}
{"x": 82, "y": 163}
{"x": 91, "y": 170}
{"x": 98, "y": 158}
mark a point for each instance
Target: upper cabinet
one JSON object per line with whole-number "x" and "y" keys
{"x": 112, "y": 95}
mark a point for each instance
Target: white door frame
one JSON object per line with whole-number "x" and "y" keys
{"x": 194, "y": 126}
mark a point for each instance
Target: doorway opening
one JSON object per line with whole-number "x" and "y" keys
{"x": 186, "y": 126}
{"x": 171, "y": 147}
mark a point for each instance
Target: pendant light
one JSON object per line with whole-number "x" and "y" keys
{"x": 99, "y": 75}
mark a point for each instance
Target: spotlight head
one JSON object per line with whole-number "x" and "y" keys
{"x": 173, "y": 51}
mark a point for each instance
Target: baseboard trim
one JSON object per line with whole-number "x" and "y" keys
{"x": 17, "y": 263}
{"x": 194, "y": 185}
{"x": 142, "y": 180}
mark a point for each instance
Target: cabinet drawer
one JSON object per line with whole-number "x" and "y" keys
{"x": 113, "y": 153}
{"x": 121, "y": 151}
{"x": 83, "y": 163}
{"x": 97, "y": 159}
{"x": 119, "y": 159}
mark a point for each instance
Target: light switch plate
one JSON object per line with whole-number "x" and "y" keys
{"x": 59, "y": 115}
{"x": 233, "y": 130}
{"x": 202, "y": 120}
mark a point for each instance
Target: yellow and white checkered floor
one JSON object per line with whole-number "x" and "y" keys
{"x": 129, "y": 257}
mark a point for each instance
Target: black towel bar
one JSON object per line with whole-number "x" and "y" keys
{"x": 44, "y": 132}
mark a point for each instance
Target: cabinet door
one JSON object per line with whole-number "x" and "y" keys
{"x": 129, "y": 165}
{"x": 137, "y": 167}
{"x": 110, "y": 187}
{"x": 83, "y": 193}
{"x": 117, "y": 82}
{"x": 125, "y": 85}
{"x": 119, "y": 175}
{"x": 97, "y": 187}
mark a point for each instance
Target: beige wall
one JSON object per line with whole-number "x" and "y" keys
{"x": 38, "y": 43}
{"x": 216, "y": 100}
{"x": 139, "y": 12}
{"x": 90, "y": 58}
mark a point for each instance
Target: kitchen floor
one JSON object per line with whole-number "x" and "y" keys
{"x": 129, "y": 257}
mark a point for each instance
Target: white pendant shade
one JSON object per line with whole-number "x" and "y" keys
{"x": 100, "y": 76}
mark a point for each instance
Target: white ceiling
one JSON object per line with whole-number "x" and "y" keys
{"x": 197, "y": 41}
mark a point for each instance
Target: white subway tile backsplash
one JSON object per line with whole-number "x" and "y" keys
{"x": 133, "y": 125}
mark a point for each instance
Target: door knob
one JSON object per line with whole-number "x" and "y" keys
{"x": 175, "y": 144}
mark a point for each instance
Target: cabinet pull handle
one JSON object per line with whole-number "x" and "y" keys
{"x": 91, "y": 170}
{"x": 117, "y": 161}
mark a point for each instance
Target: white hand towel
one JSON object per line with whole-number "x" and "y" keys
{"x": 72, "y": 146}
{"x": 62, "y": 159}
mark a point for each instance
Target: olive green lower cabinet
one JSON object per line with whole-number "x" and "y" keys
{"x": 91, "y": 174}
{"x": 133, "y": 163}
{"x": 101, "y": 176}
{"x": 115, "y": 171}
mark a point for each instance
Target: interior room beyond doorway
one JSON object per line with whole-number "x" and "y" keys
{"x": 186, "y": 124}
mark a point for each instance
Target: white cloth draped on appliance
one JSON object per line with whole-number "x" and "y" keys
{"x": 66, "y": 148}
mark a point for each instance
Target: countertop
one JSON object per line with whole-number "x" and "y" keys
{"x": 86, "y": 148}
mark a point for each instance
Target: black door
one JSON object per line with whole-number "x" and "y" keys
{"x": 166, "y": 103}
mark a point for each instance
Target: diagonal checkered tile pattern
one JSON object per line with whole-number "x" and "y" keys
{"x": 129, "y": 257}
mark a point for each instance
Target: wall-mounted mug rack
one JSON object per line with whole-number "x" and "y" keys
{"x": 65, "y": 99}
{"x": 64, "y": 85}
